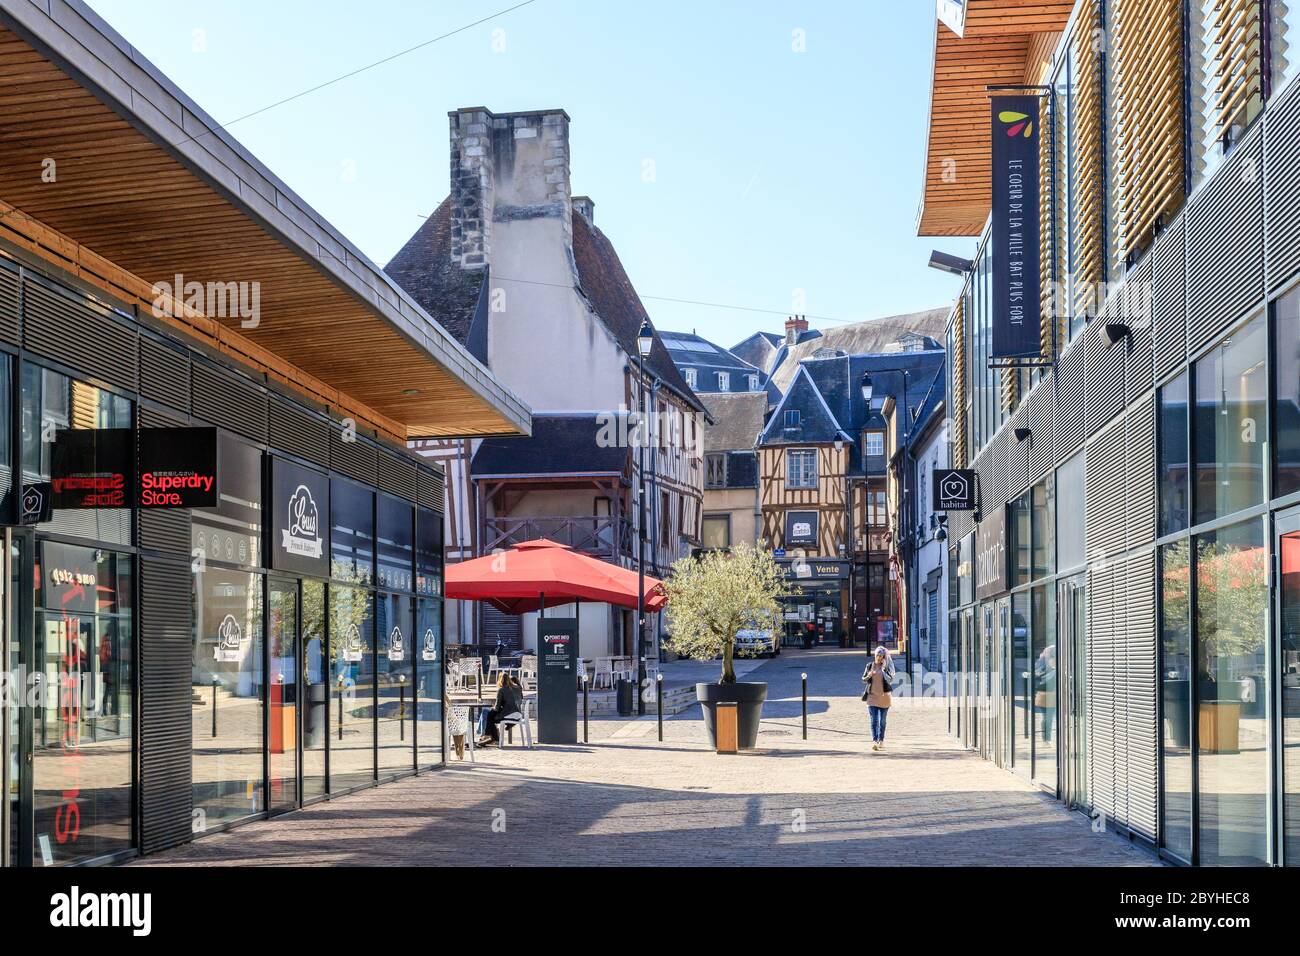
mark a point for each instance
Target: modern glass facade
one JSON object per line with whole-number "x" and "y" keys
{"x": 312, "y": 636}
{"x": 1156, "y": 684}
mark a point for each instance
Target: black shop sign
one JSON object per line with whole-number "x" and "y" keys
{"x": 300, "y": 507}
{"x": 955, "y": 489}
{"x": 178, "y": 468}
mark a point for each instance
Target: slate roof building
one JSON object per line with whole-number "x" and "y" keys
{"x": 514, "y": 266}
{"x": 824, "y": 485}
{"x": 731, "y": 468}
{"x": 709, "y": 368}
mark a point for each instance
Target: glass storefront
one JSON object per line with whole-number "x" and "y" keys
{"x": 82, "y": 755}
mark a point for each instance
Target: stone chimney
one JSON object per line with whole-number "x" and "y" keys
{"x": 795, "y": 326}
{"x": 506, "y": 167}
{"x": 585, "y": 208}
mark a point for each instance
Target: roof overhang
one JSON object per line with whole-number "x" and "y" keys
{"x": 149, "y": 187}
{"x": 997, "y": 50}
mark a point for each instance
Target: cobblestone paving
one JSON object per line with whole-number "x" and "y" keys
{"x": 624, "y": 798}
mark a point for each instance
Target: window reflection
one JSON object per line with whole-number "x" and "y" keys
{"x": 1175, "y": 692}
{"x": 1232, "y": 687}
{"x": 1232, "y": 423}
{"x": 1173, "y": 456}
{"x": 227, "y": 695}
{"x": 1287, "y": 355}
{"x": 83, "y": 727}
{"x": 352, "y": 678}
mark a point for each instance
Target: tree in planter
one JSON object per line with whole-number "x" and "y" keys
{"x": 713, "y": 597}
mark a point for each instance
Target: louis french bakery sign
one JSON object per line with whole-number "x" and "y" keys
{"x": 300, "y": 505}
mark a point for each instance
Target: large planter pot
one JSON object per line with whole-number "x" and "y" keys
{"x": 748, "y": 698}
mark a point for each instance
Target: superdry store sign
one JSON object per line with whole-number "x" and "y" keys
{"x": 92, "y": 468}
{"x": 178, "y": 467}
{"x": 300, "y": 503}
{"x": 97, "y": 468}
{"x": 1016, "y": 280}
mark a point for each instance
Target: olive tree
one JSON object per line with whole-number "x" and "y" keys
{"x": 715, "y": 595}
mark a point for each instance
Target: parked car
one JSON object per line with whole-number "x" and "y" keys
{"x": 758, "y": 642}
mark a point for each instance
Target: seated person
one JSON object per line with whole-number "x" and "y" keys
{"x": 510, "y": 700}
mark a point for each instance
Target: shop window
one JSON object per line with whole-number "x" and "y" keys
{"x": 1232, "y": 691}
{"x": 1176, "y": 698}
{"x": 316, "y": 690}
{"x": 1043, "y": 505}
{"x": 1043, "y": 684}
{"x": 801, "y": 468}
{"x": 395, "y": 544}
{"x": 352, "y": 684}
{"x": 1173, "y": 470}
{"x": 428, "y": 681}
{"x": 82, "y": 753}
{"x": 52, "y": 403}
{"x": 228, "y": 695}
{"x": 352, "y": 532}
{"x": 1069, "y": 520}
{"x": 232, "y": 532}
{"x": 1231, "y": 424}
{"x": 1019, "y": 540}
{"x": 1022, "y": 680}
{"x": 395, "y": 684}
{"x": 717, "y": 532}
{"x": 428, "y": 552}
{"x": 1286, "y": 346}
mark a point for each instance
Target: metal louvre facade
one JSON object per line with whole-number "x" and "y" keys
{"x": 1170, "y": 411}
{"x": 79, "y": 361}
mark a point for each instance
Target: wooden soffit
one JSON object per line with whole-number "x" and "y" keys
{"x": 146, "y": 180}
{"x": 1001, "y": 39}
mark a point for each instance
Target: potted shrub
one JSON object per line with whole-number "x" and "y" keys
{"x": 711, "y": 597}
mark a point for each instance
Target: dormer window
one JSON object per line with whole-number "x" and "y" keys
{"x": 753, "y": 383}
{"x": 724, "y": 381}
{"x": 691, "y": 377}
{"x": 792, "y": 418}
{"x": 873, "y": 444}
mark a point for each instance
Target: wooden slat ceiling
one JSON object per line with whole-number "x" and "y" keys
{"x": 123, "y": 196}
{"x": 996, "y": 50}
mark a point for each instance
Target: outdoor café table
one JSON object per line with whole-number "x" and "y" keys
{"x": 476, "y": 704}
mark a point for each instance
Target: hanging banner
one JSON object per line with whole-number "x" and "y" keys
{"x": 1016, "y": 280}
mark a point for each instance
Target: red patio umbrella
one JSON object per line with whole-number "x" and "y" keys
{"x": 518, "y": 580}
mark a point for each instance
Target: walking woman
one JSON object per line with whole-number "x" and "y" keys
{"x": 879, "y": 678}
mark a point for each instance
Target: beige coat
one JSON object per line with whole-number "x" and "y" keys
{"x": 877, "y": 697}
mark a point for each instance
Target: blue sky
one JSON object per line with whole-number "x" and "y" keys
{"x": 774, "y": 170}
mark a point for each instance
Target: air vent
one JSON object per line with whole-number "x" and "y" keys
{"x": 397, "y": 476}
{"x": 165, "y": 374}
{"x": 9, "y": 324}
{"x": 298, "y": 432}
{"x": 354, "y": 458}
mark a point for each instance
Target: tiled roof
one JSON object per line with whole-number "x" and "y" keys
{"x": 759, "y": 350}
{"x": 691, "y": 351}
{"x": 560, "y": 445}
{"x": 606, "y": 285}
{"x": 423, "y": 267}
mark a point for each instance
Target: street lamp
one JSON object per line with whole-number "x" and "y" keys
{"x": 866, "y": 389}
{"x": 645, "y": 340}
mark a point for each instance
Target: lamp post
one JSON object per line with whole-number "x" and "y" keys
{"x": 907, "y": 535}
{"x": 645, "y": 339}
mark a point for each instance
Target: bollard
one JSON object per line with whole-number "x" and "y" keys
{"x": 659, "y": 702}
{"x": 586, "y": 683}
{"x": 214, "y": 706}
{"x": 401, "y": 712}
{"x": 805, "y": 706}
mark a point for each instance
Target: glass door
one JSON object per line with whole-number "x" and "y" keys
{"x": 1288, "y": 663}
{"x": 1073, "y": 705}
{"x": 988, "y": 744}
{"x": 283, "y": 688}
